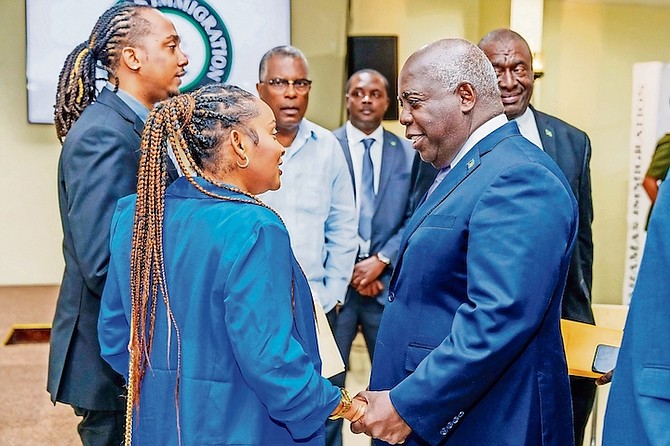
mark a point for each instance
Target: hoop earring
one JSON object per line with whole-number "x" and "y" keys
{"x": 245, "y": 164}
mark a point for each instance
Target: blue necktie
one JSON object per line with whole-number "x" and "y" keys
{"x": 367, "y": 192}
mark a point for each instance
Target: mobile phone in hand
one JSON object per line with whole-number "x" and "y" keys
{"x": 605, "y": 358}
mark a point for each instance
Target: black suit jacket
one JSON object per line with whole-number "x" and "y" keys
{"x": 570, "y": 148}
{"x": 98, "y": 165}
{"x": 391, "y": 212}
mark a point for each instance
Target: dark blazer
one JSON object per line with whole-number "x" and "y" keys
{"x": 391, "y": 211}
{"x": 470, "y": 341}
{"x": 98, "y": 165}
{"x": 423, "y": 175}
{"x": 638, "y": 408}
{"x": 570, "y": 148}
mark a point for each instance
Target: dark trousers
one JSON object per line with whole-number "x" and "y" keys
{"x": 101, "y": 427}
{"x": 583, "y": 391}
{"x": 357, "y": 311}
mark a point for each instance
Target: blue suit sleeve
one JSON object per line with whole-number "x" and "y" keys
{"x": 103, "y": 169}
{"x": 259, "y": 321}
{"x": 521, "y": 229}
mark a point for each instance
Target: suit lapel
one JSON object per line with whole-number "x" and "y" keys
{"x": 547, "y": 134}
{"x": 390, "y": 155}
{"x": 111, "y": 100}
{"x": 466, "y": 166}
{"x": 341, "y": 135}
{"x": 455, "y": 177}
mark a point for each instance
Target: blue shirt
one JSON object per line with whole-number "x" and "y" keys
{"x": 316, "y": 202}
{"x": 136, "y": 106}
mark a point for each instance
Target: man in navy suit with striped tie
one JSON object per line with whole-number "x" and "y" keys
{"x": 379, "y": 163}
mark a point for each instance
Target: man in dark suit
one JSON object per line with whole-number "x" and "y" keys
{"x": 98, "y": 165}
{"x": 570, "y": 148}
{"x": 638, "y": 408}
{"x": 469, "y": 350}
{"x": 381, "y": 190}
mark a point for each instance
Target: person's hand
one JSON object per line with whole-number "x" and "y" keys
{"x": 366, "y": 271}
{"x": 605, "y": 379}
{"x": 381, "y": 420}
{"x": 372, "y": 289}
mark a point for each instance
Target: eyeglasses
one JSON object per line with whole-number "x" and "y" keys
{"x": 281, "y": 85}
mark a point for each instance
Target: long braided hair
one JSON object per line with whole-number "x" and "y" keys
{"x": 193, "y": 125}
{"x": 119, "y": 26}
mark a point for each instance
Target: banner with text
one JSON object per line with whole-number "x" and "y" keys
{"x": 224, "y": 40}
{"x": 650, "y": 120}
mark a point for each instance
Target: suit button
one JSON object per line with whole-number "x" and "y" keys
{"x": 391, "y": 296}
{"x": 444, "y": 431}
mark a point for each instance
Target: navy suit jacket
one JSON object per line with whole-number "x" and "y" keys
{"x": 98, "y": 165}
{"x": 470, "y": 341}
{"x": 638, "y": 408}
{"x": 570, "y": 149}
{"x": 391, "y": 202}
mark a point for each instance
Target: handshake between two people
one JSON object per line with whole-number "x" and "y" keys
{"x": 373, "y": 414}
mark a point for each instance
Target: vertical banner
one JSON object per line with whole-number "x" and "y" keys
{"x": 650, "y": 120}
{"x": 224, "y": 40}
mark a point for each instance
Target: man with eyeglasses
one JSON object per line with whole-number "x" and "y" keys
{"x": 316, "y": 199}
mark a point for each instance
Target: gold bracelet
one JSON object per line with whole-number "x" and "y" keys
{"x": 345, "y": 401}
{"x": 360, "y": 412}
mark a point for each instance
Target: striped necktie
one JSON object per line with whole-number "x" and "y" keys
{"x": 367, "y": 193}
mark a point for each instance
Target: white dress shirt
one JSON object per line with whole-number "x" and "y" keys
{"x": 528, "y": 127}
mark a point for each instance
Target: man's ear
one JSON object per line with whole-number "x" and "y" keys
{"x": 467, "y": 97}
{"x": 130, "y": 58}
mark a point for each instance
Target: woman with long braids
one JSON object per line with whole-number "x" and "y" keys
{"x": 206, "y": 311}
{"x": 138, "y": 48}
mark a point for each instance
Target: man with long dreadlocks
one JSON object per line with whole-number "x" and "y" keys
{"x": 206, "y": 310}
{"x": 138, "y": 47}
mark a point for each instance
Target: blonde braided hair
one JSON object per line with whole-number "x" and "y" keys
{"x": 193, "y": 125}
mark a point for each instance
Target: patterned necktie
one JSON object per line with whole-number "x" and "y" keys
{"x": 367, "y": 192}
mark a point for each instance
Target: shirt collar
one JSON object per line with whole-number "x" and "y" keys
{"x": 355, "y": 135}
{"x": 136, "y": 106}
{"x": 528, "y": 127}
{"x": 480, "y": 133}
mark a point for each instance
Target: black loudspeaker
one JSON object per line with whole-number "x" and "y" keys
{"x": 379, "y": 53}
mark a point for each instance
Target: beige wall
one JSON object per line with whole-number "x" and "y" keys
{"x": 589, "y": 52}
{"x": 589, "y": 49}
{"x": 30, "y": 233}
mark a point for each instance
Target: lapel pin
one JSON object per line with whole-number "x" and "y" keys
{"x": 549, "y": 133}
{"x": 471, "y": 163}
{"x": 393, "y": 143}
